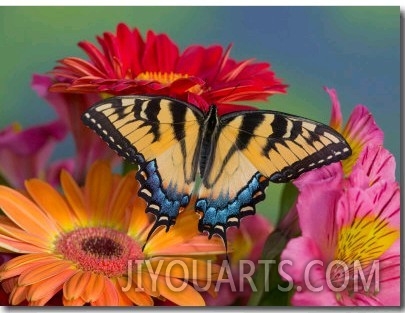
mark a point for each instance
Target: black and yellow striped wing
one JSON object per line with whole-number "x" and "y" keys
{"x": 236, "y": 154}
{"x": 161, "y": 136}
{"x": 252, "y": 148}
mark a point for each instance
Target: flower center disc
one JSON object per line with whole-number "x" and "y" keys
{"x": 167, "y": 78}
{"x": 101, "y": 250}
{"x": 161, "y": 77}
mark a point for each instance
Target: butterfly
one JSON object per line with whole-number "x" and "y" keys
{"x": 232, "y": 156}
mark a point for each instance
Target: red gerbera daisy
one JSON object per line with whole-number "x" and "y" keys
{"x": 128, "y": 64}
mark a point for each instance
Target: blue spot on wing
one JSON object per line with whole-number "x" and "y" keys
{"x": 163, "y": 203}
{"x": 222, "y": 212}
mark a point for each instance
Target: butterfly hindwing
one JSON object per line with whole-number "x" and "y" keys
{"x": 253, "y": 147}
{"x": 161, "y": 136}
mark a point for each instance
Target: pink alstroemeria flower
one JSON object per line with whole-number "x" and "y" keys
{"x": 25, "y": 153}
{"x": 70, "y": 107}
{"x": 350, "y": 227}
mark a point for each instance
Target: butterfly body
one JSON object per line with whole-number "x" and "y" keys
{"x": 234, "y": 156}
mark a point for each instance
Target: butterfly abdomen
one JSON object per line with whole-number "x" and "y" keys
{"x": 209, "y": 128}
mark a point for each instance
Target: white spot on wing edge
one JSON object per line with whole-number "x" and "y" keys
{"x": 154, "y": 207}
{"x": 146, "y": 192}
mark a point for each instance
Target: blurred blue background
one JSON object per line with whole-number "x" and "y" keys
{"x": 353, "y": 49}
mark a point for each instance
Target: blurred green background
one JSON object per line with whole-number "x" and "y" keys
{"x": 353, "y": 49}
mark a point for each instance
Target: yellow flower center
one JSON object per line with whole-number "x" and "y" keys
{"x": 101, "y": 250}
{"x": 241, "y": 247}
{"x": 356, "y": 147}
{"x": 165, "y": 78}
{"x": 365, "y": 240}
{"x": 359, "y": 245}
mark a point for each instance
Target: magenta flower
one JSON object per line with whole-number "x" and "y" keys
{"x": 246, "y": 243}
{"x": 25, "y": 153}
{"x": 348, "y": 253}
{"x": 70, "y": 107}
{"x": 342, "y": 239}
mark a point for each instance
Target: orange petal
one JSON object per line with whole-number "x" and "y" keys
{"x": 51, "y": 202}
{"x": 15, "y": 245}
{"x": 98, "y": 190}
{"x": 26, "y": 214}
{"x": 46, "y": 289}
{"x": 198, "y": 245}
{"x": 18, "y": 295}
{"x": 19, "y": 234}
{"x": 139, "y": 220}
{"x": 109, "y": 296}
{"x": 74, "y": 197}
{"x": 73, "y": 288}
{"x": 136, "y": 296}
{"x": 185, "y": 228}
{"x": 123, "y": 194}
{"x": 75, "y": 302}
{"x": 123, "y": 300}
{"x": 94, "y": 288}
{"x": 186, "y": 268}
{"x": 43, "y": 272}
{"x": 27, "y": 259}
{"x": 21, "y": 264}
{"x": 146, "y": 283}
{"x": 179, "y": 292}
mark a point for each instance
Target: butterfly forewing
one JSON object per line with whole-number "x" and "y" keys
{"x": 162, "y": 137}
{"x": 284, "y": 146}
{"x": 252, "y": 148}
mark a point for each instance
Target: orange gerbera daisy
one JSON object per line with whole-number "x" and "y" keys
{"x": 87, "y": 245}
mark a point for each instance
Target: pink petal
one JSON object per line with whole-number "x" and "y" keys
{"x": 385, "y": 198}
{"x": 362, "y": 127}
{"x": 316, "y": 205}
{"x": 298, "y": 255}
{"x": 306, "y": 297}
{"x": 375, "y": 164}
{"x": 336, "y": 119}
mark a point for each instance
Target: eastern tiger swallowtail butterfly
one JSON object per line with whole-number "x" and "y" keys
{"x": 235, "y": 155}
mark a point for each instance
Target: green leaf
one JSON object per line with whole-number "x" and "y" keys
{"x": 288, "y": 197}
{"x": 266, "y": 277}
